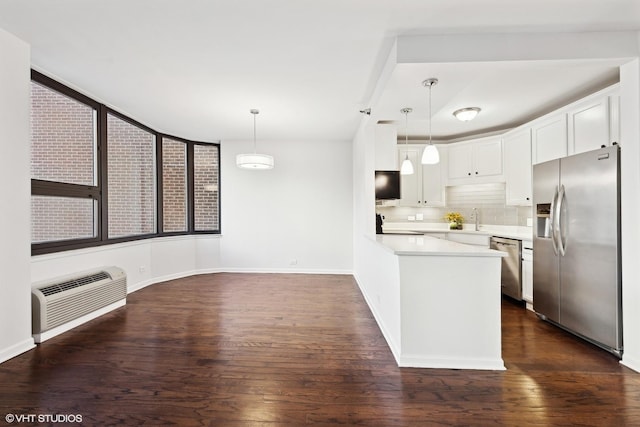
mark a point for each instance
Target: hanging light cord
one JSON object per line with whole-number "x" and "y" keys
{"x": 255, "y": 113}
{"x": 430, "y": 86}
{"x": 406, "y": 134}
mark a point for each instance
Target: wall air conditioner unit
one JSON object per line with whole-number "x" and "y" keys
{"x": 63, "y": 303}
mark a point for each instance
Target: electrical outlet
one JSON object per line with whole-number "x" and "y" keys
{"x": 411, "y": 218}
{"x": 419, "y": 217}
{"x": 293, "y": 261}
{"x": 143, "y": 269}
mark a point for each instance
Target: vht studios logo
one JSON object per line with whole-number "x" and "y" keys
{"x": 43, "y": 418}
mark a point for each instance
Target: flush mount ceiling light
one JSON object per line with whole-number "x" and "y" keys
{"x": 430, "y": 155}
{"x": 407, "y": 166}
{"x": 254, "y": 160}
{"x": 466, "y": 114}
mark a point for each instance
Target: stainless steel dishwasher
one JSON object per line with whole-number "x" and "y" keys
{"x": 511, "y": 265}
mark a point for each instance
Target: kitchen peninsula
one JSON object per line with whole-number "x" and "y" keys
{"x": 437, "y": 302}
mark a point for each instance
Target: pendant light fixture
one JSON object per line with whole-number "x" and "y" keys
{"x": 254, "y": 160}
{"x": 407, "y": 166}
{"x": 430, "y": 155}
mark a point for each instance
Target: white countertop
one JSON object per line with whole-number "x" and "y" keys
{"x": 432, "y": 246}
{"x": 509, "y": 232}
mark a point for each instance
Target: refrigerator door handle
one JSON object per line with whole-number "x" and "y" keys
{"x": 562, "y": 240}
{"x": 552, "y": 219}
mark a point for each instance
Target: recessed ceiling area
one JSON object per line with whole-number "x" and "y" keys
{"x": 508, "y": 93}
{"x": 196, "y": 68}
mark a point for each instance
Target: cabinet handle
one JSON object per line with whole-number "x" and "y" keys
{"x": 469, "y": 174}
{"x": 528, "y": 198}
{"x": 476, "y": 172}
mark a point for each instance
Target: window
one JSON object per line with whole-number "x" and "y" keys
{"x": 64, "y": 201}
{"x": 205, "y": 178}
{"x": 99, "y": 177}
{"x": 174, "y": 186}
{"x": 63, "y": 138}
{"x": 62, "y": 218}
{"x": 131, "y": 179}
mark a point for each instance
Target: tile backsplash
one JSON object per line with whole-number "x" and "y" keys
{"x": 489, "y": 199}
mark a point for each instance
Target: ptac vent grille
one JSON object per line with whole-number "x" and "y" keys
{"x": 75, "y": 283}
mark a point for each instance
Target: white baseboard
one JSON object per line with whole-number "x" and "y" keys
{"x": 282, "y": 271}
{"x": 630, "y": 363}
{"x": 16, "y": 349}
{"x": 395, "y": 349}
{"x": 409, "y": 361}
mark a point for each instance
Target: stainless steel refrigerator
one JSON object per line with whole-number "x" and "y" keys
{"x": 576, "y": 245}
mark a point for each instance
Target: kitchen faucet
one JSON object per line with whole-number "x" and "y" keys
{"x": 475, "y": 217}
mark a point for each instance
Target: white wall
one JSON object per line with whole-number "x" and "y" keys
{"x": 145, "y": 261}
{"x": 296, "y": 217}
{"x": 630, "y": 206}
{"x": 15, "y": 190}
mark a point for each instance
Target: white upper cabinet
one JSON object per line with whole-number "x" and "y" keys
{"x": 589, "y": 126}
{"x": 487, "y": 158}
{"x": 549, "y": 138}
{"x": 386, "y": 137}
{"x": 425, "y": 187}
{"x": 517, "y": 167}
{"x": 433, "y": 183}
{"x": 475, "y": 161}
{"x": 593, "y": 122}
{"x": 410, "y": 191}
{"x": 585, "y": 125}
{"x": 460, "y": 161}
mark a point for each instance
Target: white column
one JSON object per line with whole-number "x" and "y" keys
{"x": 630, "y": 183}
{"x": 15, "y": 193}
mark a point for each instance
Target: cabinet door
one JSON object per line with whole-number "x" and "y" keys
{"x": 432, "y": 185}
{"x": 487, "y": 158}
{"x": 410, "y": 185}
{"x": 589, "y": 126}
{"x": 460, "y": 161}
{"x": 527, "y": 275}
{"x": 550, "y": 139}
{"x": 614, "y": 119}
{"x": 517, "y": 168}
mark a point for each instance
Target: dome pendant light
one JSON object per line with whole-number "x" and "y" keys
{"x": 430, "y": 155}
{"x": 254, "y": 160}
{"x": 466, "y": 114}
{"x": 407, "y": 166}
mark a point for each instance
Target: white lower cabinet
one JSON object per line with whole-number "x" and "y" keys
{"x": 527, "y": 275}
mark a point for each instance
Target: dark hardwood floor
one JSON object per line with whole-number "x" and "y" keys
{"x": 290, "y": 350}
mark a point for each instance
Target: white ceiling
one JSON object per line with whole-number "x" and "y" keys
{"x": 508, "y": 94}
{"x": 195, "y": 68}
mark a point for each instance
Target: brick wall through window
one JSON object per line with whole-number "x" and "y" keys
{"x": 174, "y": 185}
{"x": 131, "y": 172}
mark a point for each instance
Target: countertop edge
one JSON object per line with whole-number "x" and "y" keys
{"x": 430, "y": 246}
{"x": 484, "y": 230}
